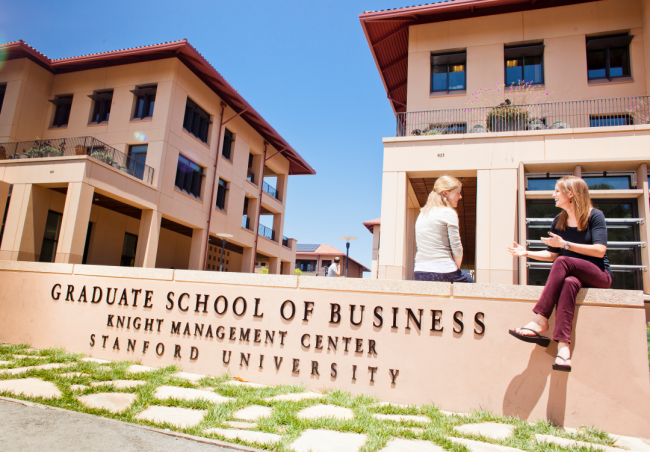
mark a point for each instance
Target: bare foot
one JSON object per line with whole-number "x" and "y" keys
{"x": 563, "y": 351}
{"x": 539, "y": 325}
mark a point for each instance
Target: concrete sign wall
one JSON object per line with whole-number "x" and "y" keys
{"x": 402, "y": 341}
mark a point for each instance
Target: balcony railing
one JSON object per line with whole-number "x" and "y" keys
{"x": 90, "y": 146}
{"x": 246, "y": 222}
{"x": 270, "y": 190}
{"x": 285, "y": 241}
{"x": 506, "y": 117}
{"x": 266, "y": 232}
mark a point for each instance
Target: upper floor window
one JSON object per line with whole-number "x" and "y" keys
{"x": 196, "y": 121}
{"x": 101, "y": 106}
{"x": 3, "y": 88}
{"x": 189, "y": 177}
{"x": 610, "y": 180}
{"x": 221, "y": 194}
{"x": 448, "y": 72}
{"x": 62, "y": 111}
{"x": 608, "y": 57}
{"x": 136, "y": 160}
{"x": 228, "y": 140}
{"x": 524, "y": 63}
{"x": 543, "y": 181}
{"x": 610, "y": 120}
{"x": 145, "y": 98}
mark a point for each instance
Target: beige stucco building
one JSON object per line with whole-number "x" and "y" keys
{"x": 130, "y": 157}
{"x": 315, "y": 259}
{"x": 584, "y": 111}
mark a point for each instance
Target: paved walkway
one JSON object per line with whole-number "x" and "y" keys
{"x": 37, "y": 428}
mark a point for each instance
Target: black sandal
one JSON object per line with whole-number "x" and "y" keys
{"x": 536, "y": 339}
{"x": 562, "y": 367}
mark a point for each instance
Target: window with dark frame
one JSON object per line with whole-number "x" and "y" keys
{"x": 145, "y": 99}
{"x": 137, "y": 158}
{"x": 101, "y": 106}
{"x": 543, "y": 181}
{"x": 250, "y": 176}
{"x": 196, "y": 121}
{"x": 51, "y": 236}
{"x": 221, "y": 195}
{"x": 610, "y": 120}
{"x": 228, "y": 140}
{"x": 89, "y": 231}
{"x": 448, "y": 72}
{"x": 524, "y": 63}
{"x": 189, "y": 177}
{"x": 62, "y": 111}
{"x": 3, "y": 89}
{"x": 129, "y": 248}
{"x": 608, "y": 57}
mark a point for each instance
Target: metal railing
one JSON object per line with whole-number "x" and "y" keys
{"x": 266, "y": 232}
{"x": 89, "y": 146}
{"x": 285, "y": 241}
{"x": 270, "y": 190}
{"x": 528, "y": 117}
{"x": 246, "y": 222}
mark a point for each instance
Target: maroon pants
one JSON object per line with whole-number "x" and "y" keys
{"x": 568, "y": 275}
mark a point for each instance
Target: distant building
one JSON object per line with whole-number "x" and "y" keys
{"x": 314, "y": 259}
{"x": 374, "y": 227}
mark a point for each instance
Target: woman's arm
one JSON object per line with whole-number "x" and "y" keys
{"x": 595, "y": 250}
{"x": 453, "y": 232}
{"x": 519, "y": 251}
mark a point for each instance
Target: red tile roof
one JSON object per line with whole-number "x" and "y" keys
{"x": 370, "y": 225}
{"x": 329, "y": 250}
{"x": 184, "y": 51}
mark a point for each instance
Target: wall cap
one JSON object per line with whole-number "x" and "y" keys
{"x": 387, "y": 286}
{"x": 237, "y": 279}
{"x": 161, "y": 274}
{"x": 43, "y": 267}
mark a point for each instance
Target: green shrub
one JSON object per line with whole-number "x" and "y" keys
{"x": 265, "y": 270}
{"x": 298, "y": 272}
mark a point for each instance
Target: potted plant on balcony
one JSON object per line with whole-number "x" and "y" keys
{"x": 103, "y": 156}
{"x": 50, "y": 151}
{"x": 536, "y": 124}
{"x": 34, "y": 153}
{"x": 124, "y": 168}
{"x": 559, "y": 124}
{"x": 507, "y": 117}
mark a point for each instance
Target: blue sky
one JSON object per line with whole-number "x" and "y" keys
{"x": 305, "y": 66}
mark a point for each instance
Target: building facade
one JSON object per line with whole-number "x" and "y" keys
{"x": 315, "y": 259}
{"x": 510, "y": 96}
{"x": 130, "y": 157}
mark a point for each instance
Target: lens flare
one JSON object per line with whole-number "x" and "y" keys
{"x": 141, "y": 137}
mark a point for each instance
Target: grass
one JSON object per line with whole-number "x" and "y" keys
{"x": 284, "y": 420}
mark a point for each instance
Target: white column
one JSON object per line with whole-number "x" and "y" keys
{"x": 74, "y": 224}
{"x": 394, "y": 203}
{"x": 197, "y": 249}
{"x": 148, "y": 237}
{"x": 18, "y": 230}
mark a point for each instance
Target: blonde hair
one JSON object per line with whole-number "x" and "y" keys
{"x": 581, "y": 200}
{"x": 436, "y": 199}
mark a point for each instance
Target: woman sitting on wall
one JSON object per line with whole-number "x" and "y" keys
{"x": 440, "y": 251}
{"x": 580, "y": 232}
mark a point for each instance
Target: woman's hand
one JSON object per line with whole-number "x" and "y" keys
{"x": 554, "y": 240}
{"x": 517, "y": 250}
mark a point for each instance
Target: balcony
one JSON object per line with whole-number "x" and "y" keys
{"x": 267, "y": 232}
{"x": 506, "y": 117}
{"x": 77, "y": 146}
{"x": 271, "y": 191}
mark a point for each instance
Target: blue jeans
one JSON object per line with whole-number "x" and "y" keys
{"x": 458, "y": 276}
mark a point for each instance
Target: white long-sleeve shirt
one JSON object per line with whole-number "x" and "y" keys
{"x": 438, "y": 241}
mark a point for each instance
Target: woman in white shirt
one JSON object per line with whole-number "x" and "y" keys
{"x": 440, "y": 251}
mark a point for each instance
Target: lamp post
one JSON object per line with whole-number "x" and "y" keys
{"x": 224, "y": 239}
{"x": 347, "y": 239}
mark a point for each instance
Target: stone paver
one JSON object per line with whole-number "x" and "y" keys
{"x": 4, "y": 363}
{"x": 120, "y": 384}
{"x": 241, "y": 425}
{"x": 331, "y": 411}
{"x": 410, "y": 445}
{"x": 188, "y": 376}
{"x": 174, "y": 392}
{"x": 31, "y": 387}
{"x": 565, "y": 442}
{"x": 629, "y": 442}
{"x": 111, "y": 401}
{"x": 29, "y": 356}
{"x": 137, "y": 368}
{"x": 20, "y": 370}
{"x": 478, "y": 446}
{"x": 96, "y": 360}
{"x": 253, "y": 412}
{"x": 296, "y": 397}
{"x": 78, "y": 387}
{"x": 105, "y": 368}
{"x": 312, "y": 440}
{"x": 452, "y": 413}
{"x": 259, "y": 437}
{"x": 73, "y": 375}
{"x": 416, "y": 430}
{"x": 487, "y": 429}
{"x": 402, "y": 418}
{"x": 247, "y": 384}
{"x": 181, "y": 417}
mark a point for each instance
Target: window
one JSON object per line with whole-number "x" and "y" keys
{"x": 51, "y": 236}
{"x": 623, "y": 245}
{"x": 448, "y": 72}
{"x": 525, "y": 64}
{"x": 145, "y": 98}
{"x": 608, "y": 57}
{"x": 250, "y": 176}
{"x": 189, "y": 177}
{"x": 196, "y": 121}
{"x": 4, "y": 217}
{"x": 610, "y": 180}
{"x": 543, "y": 181}
{"x": 87, "y": 245}
{"x": 228, "y": 140}
{"x": 136, "y": 160}
{"x": 3, "y": 88}
{"x": 62, "y": 111}
{"x": 101, "y": 106}
{"x": 221, "y": 195}
{"x": 306, "y": 265}
{"x": 128, "y": 250}
{"x": 610, "y": 120}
